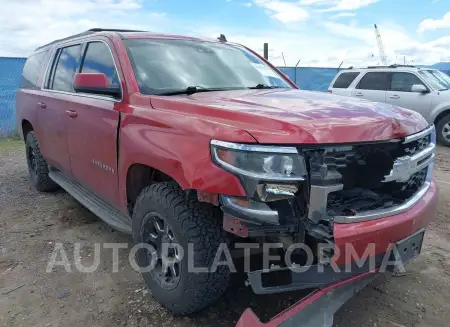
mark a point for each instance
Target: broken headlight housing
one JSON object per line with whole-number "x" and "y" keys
{"x": 282, "y": 167}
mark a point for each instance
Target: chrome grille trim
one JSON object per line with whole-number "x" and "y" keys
{"x": 382, "y": 213}
{"x": 419, "y": 135}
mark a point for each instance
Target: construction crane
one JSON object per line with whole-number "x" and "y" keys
{"x": 380, "y": 46}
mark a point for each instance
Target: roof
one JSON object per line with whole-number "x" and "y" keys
{"x": 386, "y": 68}
{"x": 127, "y": 34}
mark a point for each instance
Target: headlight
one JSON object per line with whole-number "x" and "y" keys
{"x": 268, "y": 163}
{"x": 267, "y": 173}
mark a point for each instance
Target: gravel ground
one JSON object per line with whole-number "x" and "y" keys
{"x": 31, "y": 223}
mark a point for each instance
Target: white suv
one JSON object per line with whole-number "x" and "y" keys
{"x": 420, "y": 89}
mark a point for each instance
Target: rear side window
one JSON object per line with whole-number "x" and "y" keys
{"x": 66, "y": 67}
{"x": 98, "y": 59}
{"x": 403, "y": 82}
{"x": 374, "y": 81}
{"x": 344, "y": 80}
{"x": 32, "y": 69}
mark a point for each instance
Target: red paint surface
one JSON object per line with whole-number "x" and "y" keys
{"x": 91, "y": 80}
{"x": 249, "y": 319}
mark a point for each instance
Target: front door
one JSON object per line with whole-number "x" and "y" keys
{"x": 54, "y": 102}
{"x": 400, "y": 93}
{"x": 92, "y": 130}
{"x": 372, "y": 86}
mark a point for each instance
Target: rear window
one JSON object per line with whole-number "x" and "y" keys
{"x": 66, "y": 67}
{"x": 344, "y": 80}
{"x": 374, "y": 81}
{"x": 32, "y": 69}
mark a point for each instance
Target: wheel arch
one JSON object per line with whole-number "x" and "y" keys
{"x": 138, "y": 177}
{"x": 442, "y": 114}
{"x": 26, "y": 127}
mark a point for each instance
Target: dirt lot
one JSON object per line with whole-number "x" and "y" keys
{"x": 31, "y": 223}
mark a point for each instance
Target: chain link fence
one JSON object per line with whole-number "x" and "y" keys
{"x": 10, "y": 74}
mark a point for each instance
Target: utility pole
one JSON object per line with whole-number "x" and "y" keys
{"x": 282, "y": 54}
{"x": 266, "y": 51}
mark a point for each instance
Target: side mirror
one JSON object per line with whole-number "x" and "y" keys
{"x": 95, "y": 83}
{"x": 419, "y": 88}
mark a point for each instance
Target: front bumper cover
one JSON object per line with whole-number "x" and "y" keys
{"x": 315, "y": 310}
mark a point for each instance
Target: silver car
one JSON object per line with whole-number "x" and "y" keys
{"x": 420, "y": 89}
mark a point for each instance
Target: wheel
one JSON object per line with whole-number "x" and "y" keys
{"x": 164, "y": 213}
{"x": 37, "y": 166}
{"x": 443, "y": 130}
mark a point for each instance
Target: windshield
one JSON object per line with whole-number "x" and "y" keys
{"x": 165, "y": 66}
{"x": 435, "y": 82}
{"x": 443, "y": 77}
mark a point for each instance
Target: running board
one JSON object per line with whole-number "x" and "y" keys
{"x": 106, "y": 212}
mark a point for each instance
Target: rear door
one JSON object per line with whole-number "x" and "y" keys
{"x": 92, "y": 130}
{"x": 54, "y": 103}
{"x": 372, "y": 86}
{"x": 341, "y": 84}
{"x": 400, "y": 93}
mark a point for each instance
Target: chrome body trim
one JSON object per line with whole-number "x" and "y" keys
{"x": 255, "y": 148}
{"x": 419, "y": 135}
{"x": 264, "y": 215}
{"x": 382, "y": 213}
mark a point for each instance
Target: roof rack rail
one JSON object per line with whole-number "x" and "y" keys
{"x": 391, "y": 66}
{"x": 88, "y": 32}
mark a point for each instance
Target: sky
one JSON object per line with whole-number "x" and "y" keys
{"x": 319, "y": 33}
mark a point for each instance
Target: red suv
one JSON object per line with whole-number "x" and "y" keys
{"x": 190, "y": 143}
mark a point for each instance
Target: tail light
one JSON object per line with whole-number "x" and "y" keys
{"x": 330, "y": 91}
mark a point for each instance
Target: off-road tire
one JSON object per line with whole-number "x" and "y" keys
{"x": 191, "y": 222}
{"x": 439, "y": 127}
{"x": 39, "y": 175}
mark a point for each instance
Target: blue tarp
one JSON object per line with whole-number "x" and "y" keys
{"x": 10, "y": 75}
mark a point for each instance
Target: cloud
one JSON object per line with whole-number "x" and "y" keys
{"x": 27, "y": 24}
{"x": 434, "y": 24}
{"x": 344, "y": 14}
{"x": 285, "y": 12}
{"x": 342, "y": 5}
{"x": 338, "y": 5}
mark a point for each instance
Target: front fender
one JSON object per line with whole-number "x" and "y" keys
{"x": 442, "y": 107}
{"x": 178, "y": 146}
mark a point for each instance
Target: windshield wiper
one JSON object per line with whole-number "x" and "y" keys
{"x": 195, "y": 89}
{"x": 264, "y": 86}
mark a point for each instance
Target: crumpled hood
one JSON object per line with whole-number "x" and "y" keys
{"x": 294, "y": 116}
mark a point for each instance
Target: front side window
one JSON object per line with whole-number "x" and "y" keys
{"x": 32, "y": 69}
{"x": 98, "y": 59}
{"x": 374, "y": 81}
{"x": 344, "y": 80}
{"x": 164, "y": 66}
{"x": 66, "y": 67}
{"x": 403, "y": 82}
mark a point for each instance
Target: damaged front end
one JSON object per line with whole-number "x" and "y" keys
{"x": 296, "y": 195}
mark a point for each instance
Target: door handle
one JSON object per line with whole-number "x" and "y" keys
{"x": 395, "y": 96}
{"x": 359, "y": 94}
{"x": 72, "y": 113}
{"x": 42, "y": 105}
